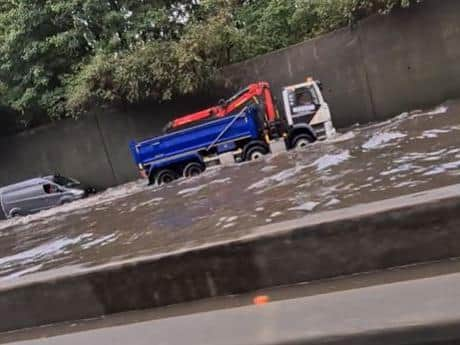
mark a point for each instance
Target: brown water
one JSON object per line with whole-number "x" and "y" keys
{"x": 408, "y": 154}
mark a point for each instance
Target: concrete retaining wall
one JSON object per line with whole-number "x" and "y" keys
{"x": 396, "y": 232}
{"x": 94, "y": 149}
{"x": 382, "y": 67}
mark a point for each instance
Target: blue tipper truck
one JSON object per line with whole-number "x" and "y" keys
{"x": 188, "y": 151}
{"x": 246, "y": 136}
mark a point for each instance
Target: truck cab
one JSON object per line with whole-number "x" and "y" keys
{"x": 304, "y": 103}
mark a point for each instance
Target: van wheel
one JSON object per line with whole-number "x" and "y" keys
{"x": 15, "y": 214}
{"x": 301, "y": 141}
{"x": 193, "y": 169}
{"x": 165, "y": 176}
{"x": 255, "y": 153}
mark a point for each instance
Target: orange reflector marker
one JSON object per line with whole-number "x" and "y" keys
{"x": 261, "y": 300}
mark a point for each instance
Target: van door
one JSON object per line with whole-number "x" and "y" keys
{"x": 22, "y": 201}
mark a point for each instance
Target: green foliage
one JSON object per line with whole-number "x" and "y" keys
{"x": 61, "y": 57}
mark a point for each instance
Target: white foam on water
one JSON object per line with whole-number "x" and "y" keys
{"x": 380, "y": 139}
{"x": 338, "y": 138}
{"x": 44, "y": 251}
{"x": 308, "y": 206}
{"x": 276, "y": 214}
{"x": 410, "y": 184}
{"x": 150, "y": 202}
{"x": 333, "y": 202}
{"x": 432, "y": 133}
{"x": 451, "y": 165}
{"x": 231, "y": 219}
{"x": 268, "y": 168}
{"x": 102, "y": 241}
{"x": 442, "y": 109}
{"x": 453, "y": 151}
{"x": 18, "y": 274}
{"x": 440, "y": 169}
{"x": 330, "y": 160}
{"x": 397, "y": 170}
{"x": 192, "y": 190}
{"x": 222, "y": 180}
{"x": 282, "y": 176}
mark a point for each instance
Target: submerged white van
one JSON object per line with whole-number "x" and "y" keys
{"x": 38, "y": 194}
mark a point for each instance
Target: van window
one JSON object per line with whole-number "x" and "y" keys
{"x": 51, "y": 188}
{"x": 65, "y": 181}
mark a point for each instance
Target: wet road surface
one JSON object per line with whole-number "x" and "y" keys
{"x": 410, "y": 153}
{"x": 369, "y": 288}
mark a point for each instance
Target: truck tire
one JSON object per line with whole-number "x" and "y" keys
{"x": 152, "y": 179}
{"x": 301, "y": 141}
{"x": 165, "y": 176}
{"x": 255, "y": 152}
{"x": 193, "y": 169}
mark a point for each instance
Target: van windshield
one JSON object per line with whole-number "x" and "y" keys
{"x": 66, "y": 182}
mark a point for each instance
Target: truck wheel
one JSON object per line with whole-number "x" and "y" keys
{"x": 193, "y": 169}
{"x": 255, "y": 153}
{"x": 301, "y": 141}
{"x": 165, "y": 176}
{"x": 152, "y": 179}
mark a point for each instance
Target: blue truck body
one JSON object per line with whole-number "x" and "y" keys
{"x": 192, "y": 144}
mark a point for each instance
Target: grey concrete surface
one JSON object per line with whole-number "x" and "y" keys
{"x": 414, "y": 312}
{"x": 384, "y": 66}
{"x": 406, "y": 230}
{"x": 93, "y": 149}
{"x": 411, "y": 59}
{"x": 72, "y": 148}
{"x": 340, "y": 284}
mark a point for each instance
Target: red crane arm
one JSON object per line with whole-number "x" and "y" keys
{"x": 257, "y": 90}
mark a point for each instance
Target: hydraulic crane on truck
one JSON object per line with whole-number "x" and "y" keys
{"x": 302, "y": 103}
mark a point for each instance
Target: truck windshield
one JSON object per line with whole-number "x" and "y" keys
{"x": 66, "y": 182}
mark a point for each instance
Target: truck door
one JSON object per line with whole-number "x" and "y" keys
{"x": 301, "y": 104}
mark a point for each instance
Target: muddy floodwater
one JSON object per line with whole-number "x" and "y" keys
{"x": 407, "y": 154}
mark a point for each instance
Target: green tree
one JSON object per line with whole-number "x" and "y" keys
{"x": 43, "y": 43}
{"x": 61, "y": 57}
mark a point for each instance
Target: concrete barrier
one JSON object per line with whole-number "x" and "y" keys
{"x": 405, "y": 230}
{"x": 422, "y": 311}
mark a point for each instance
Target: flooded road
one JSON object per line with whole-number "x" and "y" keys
{"x": 408, "y": 154}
